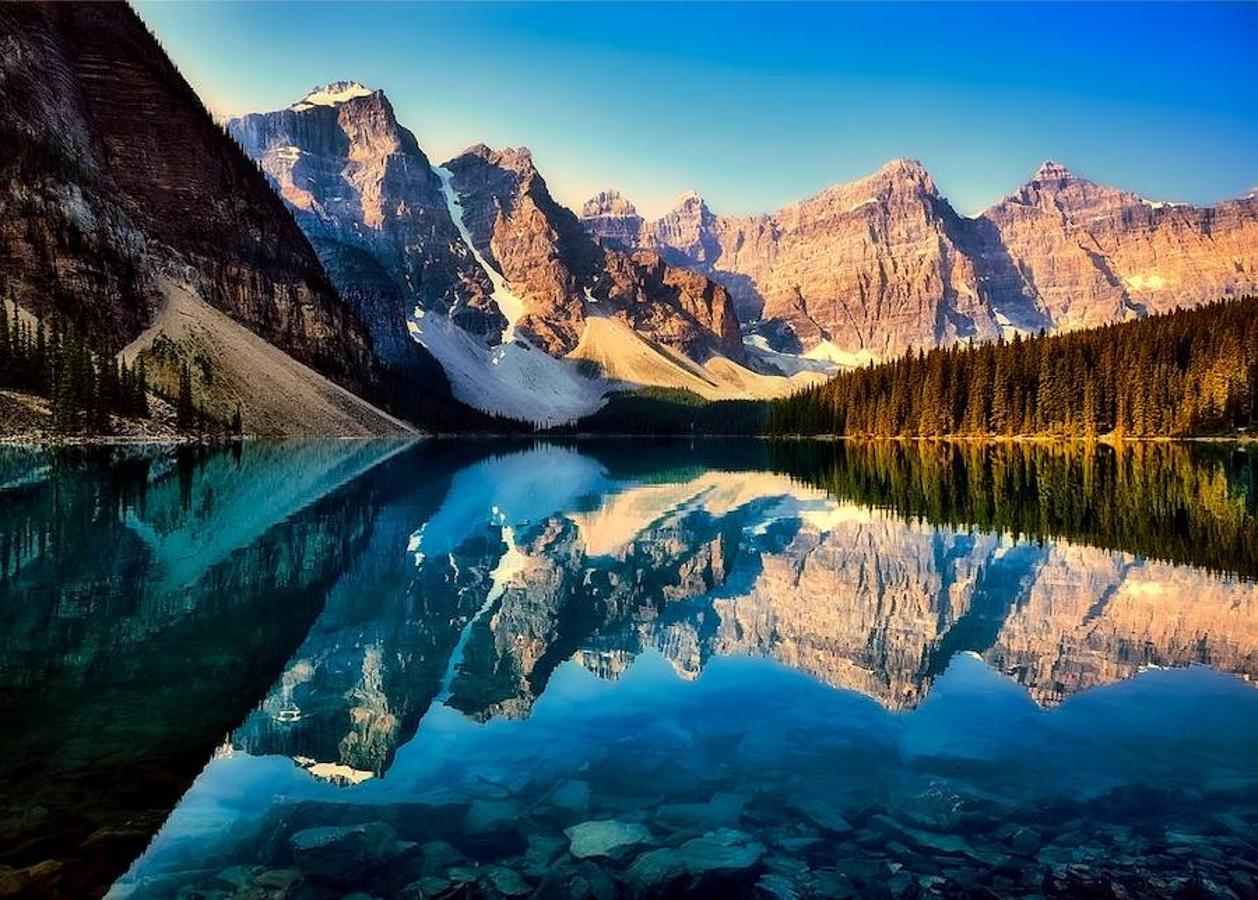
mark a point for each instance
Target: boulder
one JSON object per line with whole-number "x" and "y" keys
{"x": 608, "y": 837}
{"x": 342, "y": 854}
{"x": 700, "y": 863}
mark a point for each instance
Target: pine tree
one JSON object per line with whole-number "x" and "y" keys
{"x": 1179, "y": 373}
{"x": 185, "y": 411}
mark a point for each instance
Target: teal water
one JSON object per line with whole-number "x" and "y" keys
{"x": 647, "y": 668}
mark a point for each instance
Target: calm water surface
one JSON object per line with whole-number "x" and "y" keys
{"x": 599, "y": 669}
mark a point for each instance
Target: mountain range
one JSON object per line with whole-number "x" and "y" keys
{"x": 867, "y": 270}
{"x": 529, "y": 314}
{"x": 330, "y": 279}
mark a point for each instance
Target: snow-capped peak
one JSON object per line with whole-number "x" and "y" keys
{"x": 333, "y": 94}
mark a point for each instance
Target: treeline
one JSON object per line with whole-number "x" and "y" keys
{"x": 1188, "y": 504}
{"x": 85, "y": 384}
{"x": 668, "y": 411}
{"x": 1183, "y": 373}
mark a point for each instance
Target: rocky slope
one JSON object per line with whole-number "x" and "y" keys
{"x": 476, "y": 264}
{"x": 564, "y": 278}
{"x": 364, "y": 192}
{"x": 869, "y": 269}
{"x": 115, "y": 183}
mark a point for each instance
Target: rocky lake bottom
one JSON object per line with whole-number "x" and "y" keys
{"x": 756, "y": 782}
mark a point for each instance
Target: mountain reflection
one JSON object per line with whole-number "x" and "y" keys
{"x": 149, "y": 598}
{"x": 853, "y": 564}
{"x": 318, "y": 601}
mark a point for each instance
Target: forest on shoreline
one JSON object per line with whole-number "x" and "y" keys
{"x": 1187, "y": 373}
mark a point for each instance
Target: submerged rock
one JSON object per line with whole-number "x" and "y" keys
{"x": 508, "y": 882}
{"x": 342, "y": 854}
{"x": 720, "y": 854}
{"x": 821, "y": 814}
{"x": 609, "y": 837}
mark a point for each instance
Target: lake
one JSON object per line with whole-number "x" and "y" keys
{"x": 593, "y": 669}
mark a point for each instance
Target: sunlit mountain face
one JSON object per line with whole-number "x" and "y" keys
{"x": 505, "y": 668}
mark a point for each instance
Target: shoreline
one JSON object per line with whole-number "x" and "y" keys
{"x": 175, "y": 440}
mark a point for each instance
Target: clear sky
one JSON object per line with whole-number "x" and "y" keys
{"x": 756, "y": 106}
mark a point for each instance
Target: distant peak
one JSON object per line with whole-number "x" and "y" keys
{"x": 689, "y": 199}
{"x": 610, "y": 202}
{"x": 481, "y": 149}
{"x": 902, "y": 171}
{"x": 333, "y": 94}
{"x": 1051, "y": 170}
{"x": 903, "y": 165}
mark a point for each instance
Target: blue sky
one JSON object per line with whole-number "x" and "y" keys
{"x": 756, "y": 106}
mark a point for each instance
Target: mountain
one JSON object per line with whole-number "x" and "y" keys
{"x": 126, "y": 211}
{"x": 869, "y": 269}
{"x": 476, "y": 264}
{"x": 1091, "y": 254}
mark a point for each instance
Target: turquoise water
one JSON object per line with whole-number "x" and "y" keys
{"x": 594, "y": 669}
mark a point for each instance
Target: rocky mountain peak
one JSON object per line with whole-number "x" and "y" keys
{"x": 903, "y": 172}
{"x": 608, "y": 203}
{"x": 690, "y": 201}
{"x": 333, "y": 94}
{"x": 1051, "y": 171}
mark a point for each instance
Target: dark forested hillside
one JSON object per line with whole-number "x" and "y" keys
{"x": 1188, "y": 372}
{"x": 667, "y": 411}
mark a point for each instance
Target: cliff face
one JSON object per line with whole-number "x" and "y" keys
{"x": 882, "y": 265}
{"x": 563, "y": 277}
{"x": 1091, "y": 254}
{"x": 115, "y": 182}
{"x": 464, "y": 272}
{"x": 358, "y": 183}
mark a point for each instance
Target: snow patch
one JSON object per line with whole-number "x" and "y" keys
{"x": 1149, "y": 281}
{"x": 508, "y": 302}
{"x": 515, "y": 379}
{"x": 789, "y": 364}
{"x": 333, "y": 94}
{"x": 833, "y": 353}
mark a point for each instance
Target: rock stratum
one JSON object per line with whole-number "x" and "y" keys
{"x": 870, "y": 269}
{"x": 117, "y": 189}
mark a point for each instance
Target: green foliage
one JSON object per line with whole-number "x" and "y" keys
{"x": 86, "y": 384}
{"x": 1188, "y": 372}
{"x": 185, "y": 409}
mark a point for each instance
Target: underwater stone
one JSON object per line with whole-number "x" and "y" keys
{"x": 607, "y": 837}
{"x": 505, "y": 881}
{"x": 341, "y": 853}
{"x": 776, "y": 887}
{"x": 721, "y": 852}
{"x": 821, "y": 814}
